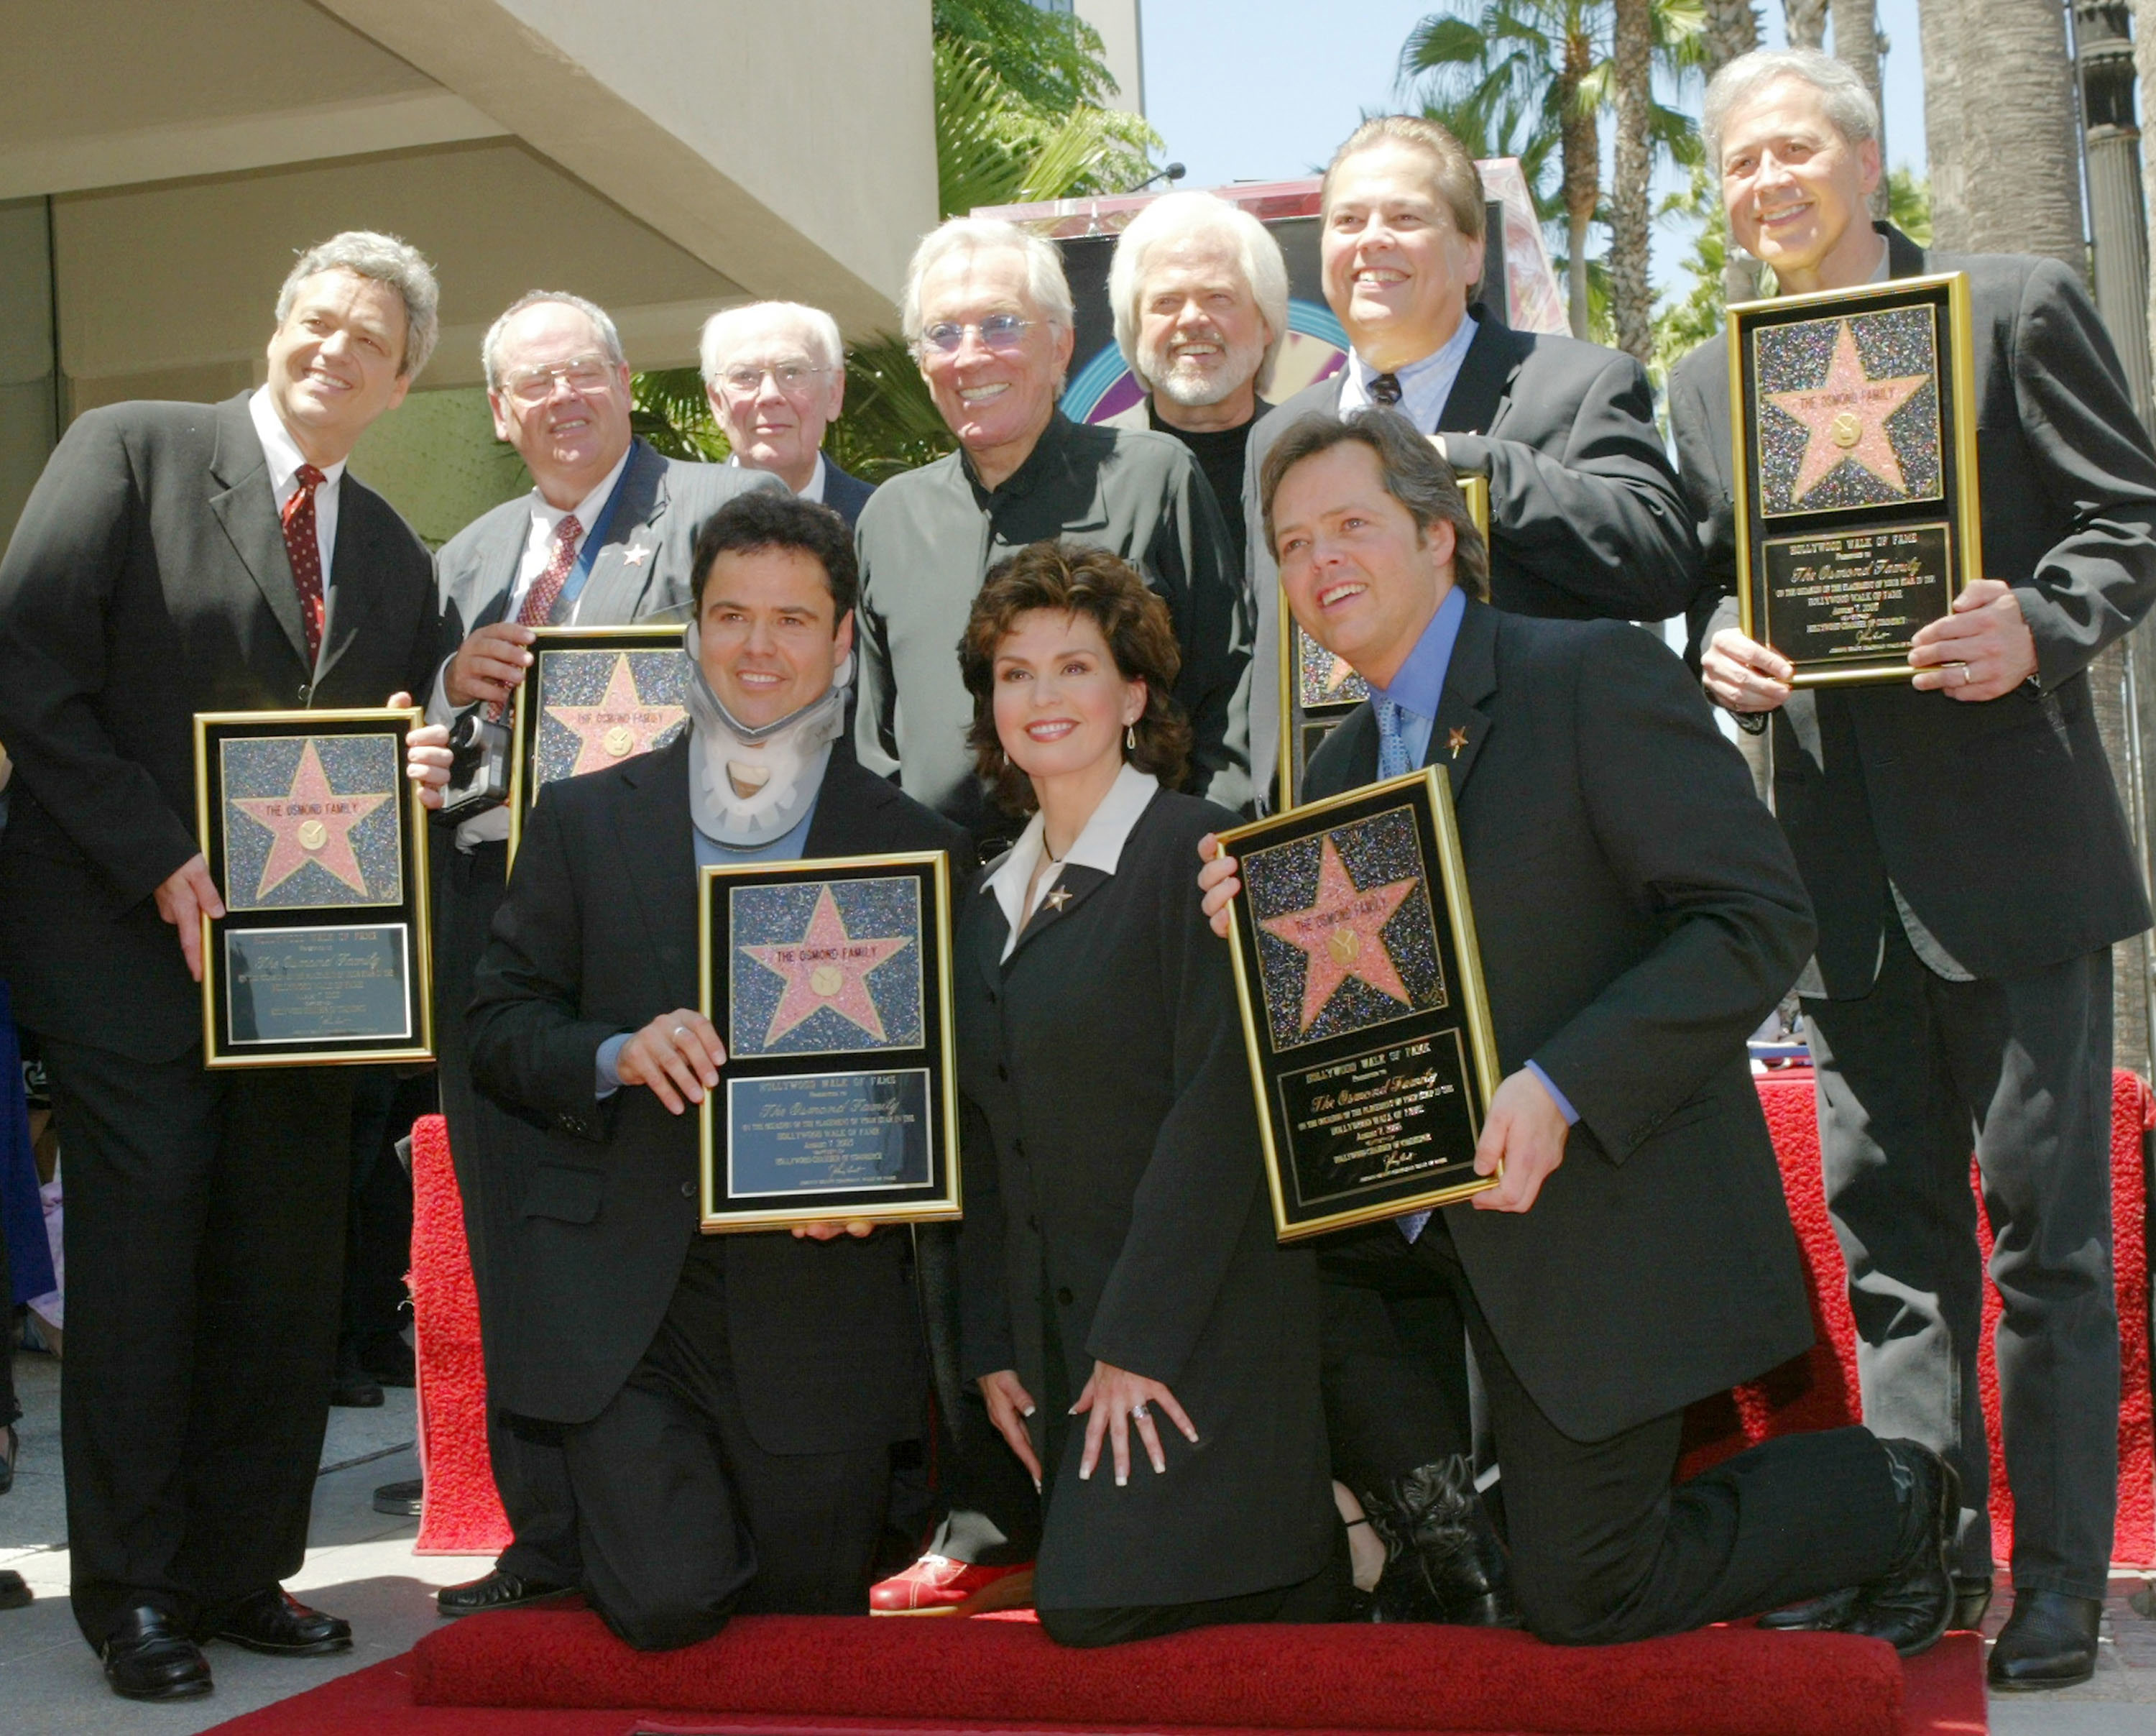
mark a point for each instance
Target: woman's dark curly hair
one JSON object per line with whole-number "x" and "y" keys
{"x": 1132, "y": 619}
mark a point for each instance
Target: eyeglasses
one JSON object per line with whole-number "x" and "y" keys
{"x": 792, "y": 377}
{"x": 584, "y": 375}
{"x": 999, "y": 331}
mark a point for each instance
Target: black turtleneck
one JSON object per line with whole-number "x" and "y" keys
{"x": 1220, "y": 454}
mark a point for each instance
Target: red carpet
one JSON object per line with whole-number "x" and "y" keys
{"x": 1818, "y": 1390}
{"x": 760, "y": 1680}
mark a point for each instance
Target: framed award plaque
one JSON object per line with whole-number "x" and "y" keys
{"x": 317, "y": 842}
{"x": 1371, "y": 1050}
{"x": 593, "y": 698}
{"x": 1857, "y": 516}
{"x": 829, "y": 983}
{"x": 1318, "y": 689}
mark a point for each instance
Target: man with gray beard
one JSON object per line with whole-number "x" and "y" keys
{"x": 1199, "y": 291}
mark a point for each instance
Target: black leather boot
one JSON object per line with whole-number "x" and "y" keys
{"x": 1444, "y": 1561}
{"x": 1910, "y": 1603}
{"x": 2050, "y": 1641}
{"x": 1815, "y": 1615}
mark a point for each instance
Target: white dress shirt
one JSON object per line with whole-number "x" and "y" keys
{"x": 1099, "y": 846}
{"x": 1425, "y": 385}
{"x": 283, "y": 452}
{"x": 814, "y": 492}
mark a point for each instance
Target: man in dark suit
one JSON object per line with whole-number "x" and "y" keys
{"x": 1586, "y": 520}
{"x": 775, "y": 373}
{"x": 726, "y": 1405}
{"x": 604, "y": 537}
{"x": 1962, "y": 841}
{"x": 1637, "y": 916}
{"x": 151, "y": 578}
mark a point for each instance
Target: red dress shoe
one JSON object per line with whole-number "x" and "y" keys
{"x": 937, "y": 1585}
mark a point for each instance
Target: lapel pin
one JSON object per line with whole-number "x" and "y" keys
{"x": 1455, "y": 740}
{"x": 634, "y": 556}
{"x": 1057, "y": 899}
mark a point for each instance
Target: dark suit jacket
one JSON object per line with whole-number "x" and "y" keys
{"x": 1638, "y": 915}
{"x": 148, "y": 580}
{"x": 1586, "y": 519}
{"x": 844, "y": 493}
{"x": 598, "y": 935}
{"x": 664, "y": 503}
{"x": 1998, "y": 821}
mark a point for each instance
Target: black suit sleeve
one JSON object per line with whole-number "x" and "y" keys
{"x": 531, "y": 1049}
{"x": 57, "y": 584}
{"x": 1602, "y": 519}
{"x": 1672, "y": 806}
{"x": 986, "y": 1343}
{"x": 1191, "y": 558}
{"x": 1203, "y": 1183}
{"x": 2096, "y": 462}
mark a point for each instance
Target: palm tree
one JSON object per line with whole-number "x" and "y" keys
{"x": 1516, "y": 77}
{"x": 1946, "y": 136}
{"x": 1806, "y": 22}
{"x": 1732, "y": 28}
{"x": 1632, "y": 71}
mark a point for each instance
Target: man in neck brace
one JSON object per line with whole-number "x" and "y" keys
{"x": 727, "y": 1405}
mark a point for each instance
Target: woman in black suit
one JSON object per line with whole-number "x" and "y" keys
{"x": 1121, "y": 1276}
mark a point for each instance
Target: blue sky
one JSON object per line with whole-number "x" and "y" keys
{"x": 1263, "y": 90}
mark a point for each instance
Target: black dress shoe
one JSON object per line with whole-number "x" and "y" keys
{"x": 147, "y": 1658}
{"x": 1972, "y": 1603}
{"x": 1444, "y": 1561}
{"x": 2048, "y": 1641}
{"x": 1814, "y": 1614}
{"x": 14, "y": 1594}
{"x": 1910, "y": 1605}
{"x": 277, "y": 1623}
{"x": 500, "y": 1590}
{"x": 400, "y": 1501}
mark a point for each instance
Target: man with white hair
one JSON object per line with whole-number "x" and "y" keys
{"x": 775, "y": 373}
{"x": 1962, "y": 844}
{"x": 603, "y": 537}
{"x": 988, "y": 315}
{"x": 176, "y": 559}
{"x": 1199, "y": 291}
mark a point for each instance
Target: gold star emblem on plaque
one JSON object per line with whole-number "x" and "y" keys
{"x": 620, "y": 724}
{"x": 1845, "y": 418}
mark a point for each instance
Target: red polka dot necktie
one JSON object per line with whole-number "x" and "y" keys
{"x": 306, "y": 554}
{"x": 546, "y": 590}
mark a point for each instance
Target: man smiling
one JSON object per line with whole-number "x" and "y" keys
{"x": 1586, "y": 520}
{"x": 775, "y": 373}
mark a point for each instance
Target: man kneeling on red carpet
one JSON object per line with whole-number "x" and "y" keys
{"x": 726, "y": 1405}
{"x": 1638, "y": 914}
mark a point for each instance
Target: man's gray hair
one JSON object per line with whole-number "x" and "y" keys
{"x": 386, "y": 258}
{"x": 1177, "y": 217}
{"x": 725, "y": 331}
{"x": 602, "y": 324}
{"x": 1413, "y": 472}
{"x": 1844, "y": 97}
{"x": 1045, "y": 286}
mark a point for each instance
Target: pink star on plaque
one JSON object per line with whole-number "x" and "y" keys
{"x": 311, "y": 822}
{"x": 827, "y": 968}
{"x": 620, "y": 725}
{"x": 1846, "y": 418}
{"x": 1342, "y": 933}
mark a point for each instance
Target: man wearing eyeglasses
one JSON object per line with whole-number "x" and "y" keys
{"x": 988, "y": 315}
{"x": 603, "y": 537}
{"x": 775, "y": 373}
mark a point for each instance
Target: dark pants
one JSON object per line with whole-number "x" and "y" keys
{"x": 528, "y": 1471}
{"x": 683, "y": 1519}
{"x": 1909, "y": 1076}
{"x": 1605, "y": 1548}
{"x": 205, "y": 1248}
{"x": 1322, "y": 1597}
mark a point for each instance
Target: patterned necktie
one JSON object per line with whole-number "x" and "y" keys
{"x": 1385, "y": 389}
{"x": 306, "y": 554}
{"x": 1393, "y": 762}
{"x": 546, "y": 590}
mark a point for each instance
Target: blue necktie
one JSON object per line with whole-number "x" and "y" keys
{"x": 1393, "y": 762}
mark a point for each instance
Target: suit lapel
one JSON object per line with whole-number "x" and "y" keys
{"x": 660, "y": 859}
{"x": 1079, "y": 882}
{"x": 622, "y": 570}
{"x": 354, "y": 588}
{"x": 247, "y": 509}
{"x": 1470, "y": 679}
{"x": 1485, "y": 377}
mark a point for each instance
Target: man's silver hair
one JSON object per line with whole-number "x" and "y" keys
{"x": 386, "y": 258}
{"x": 725, "y": 331}
{"x": 1045, "y": 284}
{"x": 601, "y": 323}
{"x": 1844, "y": 97}
{"x": 1189, "y": 216}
